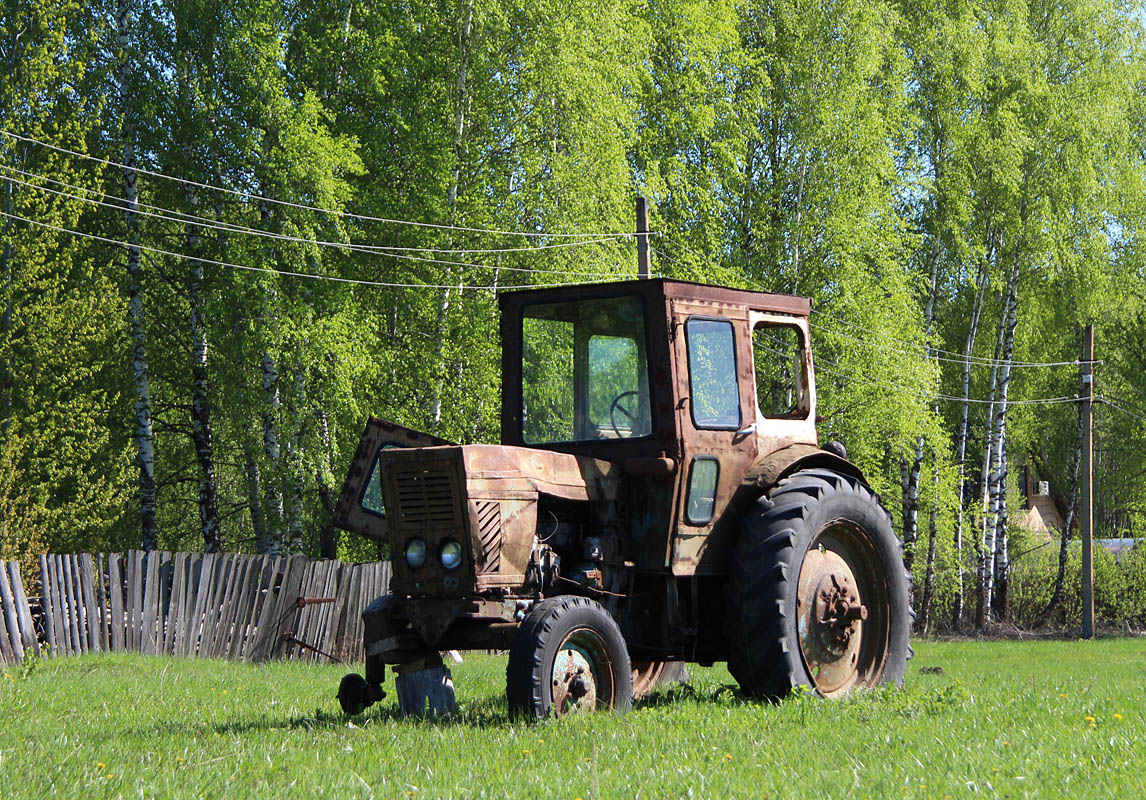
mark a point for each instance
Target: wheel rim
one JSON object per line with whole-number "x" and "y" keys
{"x": 842, "y": 609}
{"x": 582, "y": 675}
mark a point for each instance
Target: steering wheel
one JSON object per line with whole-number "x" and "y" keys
{"x": 616, "y": 406}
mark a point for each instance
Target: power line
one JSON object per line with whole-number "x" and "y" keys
{"x": 357, "y": 248}
{"x": 958, "y": 358}
{"x": 312, "y": 276}
{"x": 1038, "y": 401}
{"x": 174, "y": 215}
{"x": 1137, "y": 415}
{"x": 304, "y": 207}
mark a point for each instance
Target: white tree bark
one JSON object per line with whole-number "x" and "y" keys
{"x": 273, "y": 503}
{"x": 961, "y": 443}
{"x": 465, "y": 35}
{"x": 144, "y": 437}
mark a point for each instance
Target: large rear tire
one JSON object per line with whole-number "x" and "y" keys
{"x": 568, "y": 657}
{"x": 817, "y": 593}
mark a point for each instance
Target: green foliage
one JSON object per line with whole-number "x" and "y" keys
{"x": 1119, "y": 587}
{"x": 893, "y": 161}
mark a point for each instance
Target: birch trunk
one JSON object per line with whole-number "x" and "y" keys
{"x": 982, "y": 546}
{"x": 932, "y": 534}
{"x": 1002, "y": 554}
{"x": 994, "y": 486}
{"x": 327, "y": 534}
{"x": 273, "y": 504}
{"x": 144, "y": 437}
{"x": 255, "y": 501}
{"x": 6, "y": 316}
{"x": 465, "y": 35}
{"x": 1064, "y": 538}
{"x": 961, "y": 446}
{"x": 200, "y": 395}
{"x": 294, "y": 513}
{"x": 911, "y": 474}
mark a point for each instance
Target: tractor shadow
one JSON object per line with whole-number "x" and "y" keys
{"x": 488, "y": 712}
{"x": 677, "y": 693}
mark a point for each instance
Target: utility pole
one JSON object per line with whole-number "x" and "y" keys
{"x": 642, "y": 237}
{"x": 1086, "y": 518}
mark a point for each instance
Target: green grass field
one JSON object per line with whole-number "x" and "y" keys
{"x": 1040, "y": 719}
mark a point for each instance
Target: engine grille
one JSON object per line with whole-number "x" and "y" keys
{"x": 425, "y": 496}
{"x": 489, "y": 531}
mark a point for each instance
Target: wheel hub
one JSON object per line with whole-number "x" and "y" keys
{"x": 574, "y": 685}
{"x": 831, "y": 615}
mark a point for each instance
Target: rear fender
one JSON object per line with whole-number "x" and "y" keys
{"x": 773, "y": 468}
{"x": 359, "y": 508}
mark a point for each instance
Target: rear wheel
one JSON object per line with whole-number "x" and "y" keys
{"x": 817, "y": 593}
{"x": 568, "y": 657}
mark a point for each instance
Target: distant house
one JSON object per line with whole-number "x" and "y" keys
{"x": 1041, "y": 515}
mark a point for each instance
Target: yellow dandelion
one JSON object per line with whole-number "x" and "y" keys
{"x": 109, "y": 777}
{"x": 727, "y": 756}
{"x": 541, "y": 741}
{"x": 178, "y": 759}
{"x": 588, "y": 758}
{"x": 1062, "y": 695}
{"x": 224, "y": 691}
{"x": 100, "y": 765}
{"x": 1118, "y": 716}
{"x": 525, "y": 752}
{"x": 1006, "y": 744}
{"x": 1089, "y": 719}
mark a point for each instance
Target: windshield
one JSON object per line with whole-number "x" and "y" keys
{"x": 584, "y": 371}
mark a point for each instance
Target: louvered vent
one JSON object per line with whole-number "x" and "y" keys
{"x": 489, "y": 530}
{"x": 425, "y": 497}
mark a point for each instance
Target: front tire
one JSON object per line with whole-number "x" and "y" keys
{"x": 817, "y": 593}
{"x": 568, "y": 657}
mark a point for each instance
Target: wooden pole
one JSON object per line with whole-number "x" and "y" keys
{"x": 642, "y": 237}
{"x": 1086, "y": 519}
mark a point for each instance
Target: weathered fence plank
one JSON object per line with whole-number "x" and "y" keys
{"x": 91, "y": 603}
{"x": 23, "y": 611}
{"x": 115, "y": 592}
{"x": 102, "y": 599}
{"x": 236, "y": 566}
{"x": 11, "y": 634}
{"x": 71, "y": 596}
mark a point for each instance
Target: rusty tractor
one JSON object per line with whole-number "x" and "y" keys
{"x": 659, "y": 497}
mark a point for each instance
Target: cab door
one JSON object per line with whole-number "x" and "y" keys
{"x": 359, "y": 508}
{"x": 717, "y": 420}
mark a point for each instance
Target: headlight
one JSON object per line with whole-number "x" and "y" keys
{"x": 415, "y": 553}
{"x": 451, "y": 554}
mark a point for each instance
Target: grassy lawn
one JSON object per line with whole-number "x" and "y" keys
{"x": 1002, "y": 719}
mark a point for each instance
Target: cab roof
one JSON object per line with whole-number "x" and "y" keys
{"x": 667, "y": 288}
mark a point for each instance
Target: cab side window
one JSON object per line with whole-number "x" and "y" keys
{"x": 781, "y": 380}
{"x": 712, "y": 373}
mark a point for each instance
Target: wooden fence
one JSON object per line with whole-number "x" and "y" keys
{"x": 253, "y": 608}
{"x": 17, "y": 632}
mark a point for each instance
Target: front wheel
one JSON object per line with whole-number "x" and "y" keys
{"x": 817, "y": 593}
{"x": 568, "y": 657}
